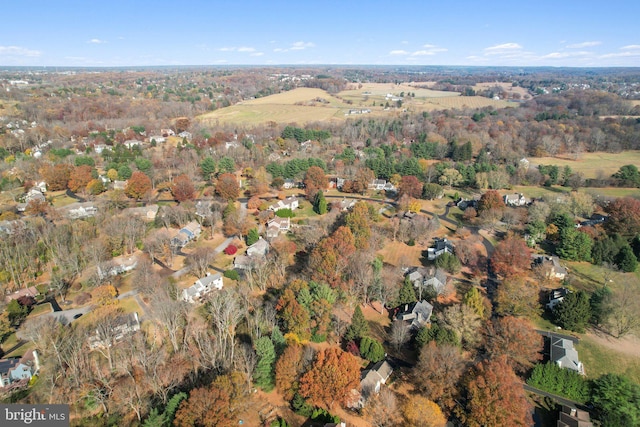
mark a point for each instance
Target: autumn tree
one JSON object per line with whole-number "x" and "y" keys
{"x": 56, "y": 176}
{"x": 438, "y": 371}
{"x": 410, "y": 186}
{"x": 418, "y": 411}
{"x": 182, "y": 188}
{"x": 95, "y": 187}
{"x": 624, "y": 216}
{"x": 79, "y": 178}
{"x": 517, "y": 296}
{"x": 358, "y": 221}
{"x": 138, "y": 186}
{"x": 330, "y": 257}
{"x": 494, "y": 396}
{"x": 515, "y": 339}
{"x": 381, "y": 409}
{"x": 198, "y": 261}
{"x": 464, "y": 321}
{"x": 227, "y": 187}
{"x": 511, "y": 257}
{"x": 491, "y": 200}
{"x": 289, "y": 367}
{"x": 331, "y": 378}
{"x": 295, "y": 317}
{"x": 315, "y": 180}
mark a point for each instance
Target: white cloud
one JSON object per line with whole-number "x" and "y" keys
{"x": 502, "y": 48}
{"x": 301, "y": 45}
{"x": 399, "y": 52}
{"x": 627, "y": 53}
{"x": 227, "y": 49}
{"x": 279, "y": 49}
{"x": 584, "y": 44}
{"x": 561, "y": 55}
{"x": 430, "y": 50}
{"x": 257, "y": 54}
{"x": 428, "y": 46}
{"x": 246, "y": 49}
{"x": 97, "y": 41}
{"x": 18, "y": 51}
{"x": 630, "y": 47}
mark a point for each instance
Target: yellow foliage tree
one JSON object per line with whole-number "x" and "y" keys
{"x": 419, "y": 411}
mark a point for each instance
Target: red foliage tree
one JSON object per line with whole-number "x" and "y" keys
{"x": 315, "y": 180}
{"x": 511, "y": 257}
{"x": 182, "y": 188}
{"x": 495, "y": 396}
{"x": 333, "y": 375}
{"x": 491, "y": 200}
{"x": 79, "y": 177}
{"x": 515, "y": 339}
{"x": 624, "y": 216}
{"x": 138, "y": 186}
{"x": 230, "y": 250}
{"x": 439, "y": 369}
{"x": 227, "y": 187}
{"x": 410, "y": 186}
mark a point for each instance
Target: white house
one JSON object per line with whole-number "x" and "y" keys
{"x": 515, "y": 199}
{"x": 258, "y": 249}
{"x": 441, "y": 246}
{"x": 565, "y": 355}
{"x": 202, "y": 287}
{"x": 288, "y": 203}
{"x": 278, "y": 225}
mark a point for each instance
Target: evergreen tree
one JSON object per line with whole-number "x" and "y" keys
{"x": 359, "y": 327}
{"x": 320, "y": 204}
{"x": 252, "y": 236}
{"x": 263, "y": 374}
{"x": 407, "y": 293}
{"x": 616, "y": 400}
{"x": 371, "y": 349}
{"x": 626, "y": 260}
{"x": 574, "y": 312}
{"x": 279, "y": 343}
{"x": 599, "y": 302}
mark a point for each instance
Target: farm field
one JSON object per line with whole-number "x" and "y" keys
{"x": 592, "y": 164}
{"x": 506, "y": 86}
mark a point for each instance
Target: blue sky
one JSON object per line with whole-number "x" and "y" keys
{"x": 456, "y": 32}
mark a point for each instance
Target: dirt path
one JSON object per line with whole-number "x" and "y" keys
{"x": 629, "y": 345}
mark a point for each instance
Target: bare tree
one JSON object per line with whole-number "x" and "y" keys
{"x": 170, "y": 314}
{"x": 382, "y": 409}
{"x": 399, "y": 334}
{"x": 225, "y": 311}
{"x": 199, "y": 260}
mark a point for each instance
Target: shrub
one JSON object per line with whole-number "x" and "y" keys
{"x": 371, "y": 349}
{"x": 231, "y": 274}
{"x": 564, "y": 382}
{"x": 230, "y": 250}
{"x": 285, "y": 213}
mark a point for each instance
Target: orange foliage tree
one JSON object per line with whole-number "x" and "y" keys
{"x": 295, "y": 317}
{"x": 227, "y": 187}
{"x": 439, "y": 369}
{"x": 330, "y": 257}
{"x": 79, "y": 177}
{"x": 288, "y": 369}
{"x": 624, "y": 216}
{"x": 515, "y": 339}
{"x": 419, "y": 411}
{"x": 332, "y": 377}
{"x": 314, "y": 180}
{"x": 410, "y": 186}
{"x": 495, "y": 396}
{"x": 138, "y": 186}
{"x": 57, "y": 177}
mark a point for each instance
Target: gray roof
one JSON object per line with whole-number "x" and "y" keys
{"x": 379, "y": 373}
{"x": 565, "y": 355}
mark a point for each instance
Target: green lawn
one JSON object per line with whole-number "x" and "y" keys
{"x": 130, "y": 305}
{"x": 599, "y": 360}
{"x": 41, "y": 309}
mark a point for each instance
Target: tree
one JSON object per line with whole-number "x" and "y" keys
{"x": 16, "y": 312}
{"x": 407, "y": 293}
{"x": 495, "y": 397}
{"x": 198, "y": 261}
{"x": 95, "y": 187}
{"x": 206, "y": 407}
{"x": 227, "y": 187}
{"x": 432, "y": 191}
{"x": 475, "y": 300}
{"x": 371, "y": 350}
{"x": 464, "y": 321}
{"x": 295, "y": 317}
{"x": 320, "y": 203}
{"x": 57, "y": 177}
{"x": 314, "y": 180}
{"x": 439, "y": 368}
{"x": 138, "y": 186}
{"x": 491, "y": 200}
{"x": 626, "y": 259}
{"x": 289, "y": 367}
{"x": 616, "y": 400}
{"x": 207, "y": 168}
{"x": 330, "y": 257}
{"x": 419, "y": 411}
{"x": 226, "y": 165}
{"x": 451, "y": 177}
{"x": 516, "y": 296}
{"x": 79, "y": 178}
{"x": 183, "y": 189}
{"x": 410, "y": 186}
{"x": 399, "y": 334}
{"x": 440, "y": 335}
{"x": 359, "y": 222}
{"x": 574, "y": 245}
{"x": 515, "y": 339}
{"x": 358, "y": 328}
{"x": 382, "y": 409}
{"x": 253, "y": 236}
{"x": 600, "y": 301}
{"x": 448, "y": 262}
{"x": 628, "y": 175}
{"x": 624, "y": 216}
{"x": 263, "y": 375}
{"x": 574, "y": 312}
{"x": 511, "y": 257}
{"x": 331, "y": 378}
{"x": 622, "y": 310}
{"x": 561, "y": 381}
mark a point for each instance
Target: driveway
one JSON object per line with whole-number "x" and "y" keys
{"x": 68, "y": 316}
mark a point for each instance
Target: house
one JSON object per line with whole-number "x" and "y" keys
{"x": 377, "y": 184}
{"x": 147, "y": 213}
{"x": 440, "y": 247}
{"x": 515, "y": 199}
{"x": 258, "y": 249}
{"x": 132, "y": 143}
{"x": 556, "y": 296}
{"x": 595, "y": 219}
{"x": 389, "y": 187}
{"x": 524, "y": 163}
{"x": 119, "y": 185}
{"x": 16, "y": 372}
{"x": 201, "y": 287}
{"x": 340, "y": 183}
{"x": 125, "y": 325}
{"x": 346, "y": 204}
{"x": 436, "y": 280}
{"x": 288, "y": 203}
{"x": 35, "y": 194}
{"x": 277, "y": 225}
{"x": 463, "y": 204}
{"x": 189, "y": 232}
{"x": 118, "y": 265}
{"x": 99, "y": 148}
{"x": 551, "y": 264}
{"x": 289, "y": 184}
{"x": 31, "y": 291}
{"x": 185, "y": 134}
{"x": 167, "y": 132}
{"x": 418, "y": 313}
{"x": 565, "y": 355}
{"x": 159, "y": 139}
{"x": 81, "y": 210}
{"x": 372, "y": 379}
{"x": 572, "y": 417}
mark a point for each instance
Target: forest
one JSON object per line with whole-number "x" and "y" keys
{"x": 413, "y": 267}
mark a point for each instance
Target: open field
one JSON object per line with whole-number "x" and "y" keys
{"x": 599, "y": 360}
{"x": 506, "y": 86}
{"x": 592, "y": 164}
{"x": 398, "y": 253}
{"x": 41, "y": 309}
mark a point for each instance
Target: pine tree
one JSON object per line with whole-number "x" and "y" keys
{"x": 320, "y": 204}
{"x": 359, "y": 327}
{"x": 407, "y": 293}
{"x": 263, "y": 374}
{"x": 626, "y": 260}
{"x": 474, "y": 300}
{"x": 574, "y": 312}
{"x": 279, "y": 343}
{"x": 252, "y": 236}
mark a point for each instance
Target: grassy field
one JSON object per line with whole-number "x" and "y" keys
{"x": 599, "y": 360}
{"x": 41, "y": 309}
{"x": 398, "y": 253}
{"x": 592, "y": 164}
{"x": 130, "y": 305}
